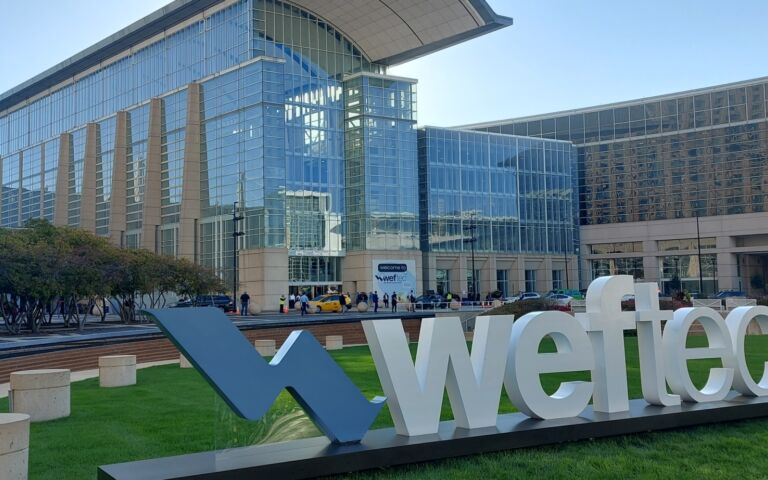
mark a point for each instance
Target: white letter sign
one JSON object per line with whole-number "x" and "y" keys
{"x": 415, "y": 396}
{"x": 738, "y": 321}
{"x": 676, "y": 354}
{"x": 606, "y": 323}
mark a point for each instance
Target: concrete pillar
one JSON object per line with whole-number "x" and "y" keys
{"x": 651, "y": 269}
{"x": 334, "y": 342}
{"x": 19, "y": 194}
{"x": 42, "y": 394}
{"x": 544, "y": 275}
{"x": 42, "y": 179}
{"x": 152, "y": 183}
{"x": 61, "y": 203}
{"x": 264, "y": 275}
{"x": 88, "y": 197}
{"x": 117, "y": 199}
{"x": 520, "y": 274}
{"x": 117, "y": 370}
{"x": 266, "y": 348}
{"x": 14, "y": 446}
{"x": 190, "y": 190}
{"x": 727, "y": 265}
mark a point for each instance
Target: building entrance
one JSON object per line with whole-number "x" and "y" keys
{"x": 313, "y": 290}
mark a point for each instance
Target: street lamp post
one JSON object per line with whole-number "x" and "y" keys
{"x": 235, "y": 233}
{"x": 471, "y": 240}
{"x": 701, "y": 266}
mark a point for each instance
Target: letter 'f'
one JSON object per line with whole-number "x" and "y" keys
{"x": 250, "y": 385}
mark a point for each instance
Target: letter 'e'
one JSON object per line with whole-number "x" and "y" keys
{"x": 525, "y": 365}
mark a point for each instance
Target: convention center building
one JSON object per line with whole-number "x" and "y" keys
{"x": 672, "y": 189}
{"x": 283, "y": 113}
{"x": 265, "y": 139}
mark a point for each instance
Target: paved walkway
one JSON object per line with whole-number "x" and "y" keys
{"x": 104, "y": 331}
{"x": 86, "y": 374}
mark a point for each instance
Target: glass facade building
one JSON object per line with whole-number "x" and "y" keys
{"x": 516, "y": 194}
{"x": 671, "y": 159}
{"x": 283, "y": 108}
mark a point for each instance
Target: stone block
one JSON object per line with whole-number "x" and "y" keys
{"x": 14, "y": 446}
{"x": 41, "y": 394}
{"x": 117, "y": 370}
{"x": 266, "y": 348}
{"x": 334, "y": 342}
{"x": 183, "y": 362}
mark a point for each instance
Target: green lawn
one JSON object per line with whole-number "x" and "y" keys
{"x": 173, "y": 411}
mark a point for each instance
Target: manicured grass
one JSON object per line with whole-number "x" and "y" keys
{"x": 173, "y": 411}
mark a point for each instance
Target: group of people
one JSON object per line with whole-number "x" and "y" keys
{"x": 372, "y": 297}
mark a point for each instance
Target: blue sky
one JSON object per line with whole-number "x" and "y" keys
{"x": 560, "y": 54}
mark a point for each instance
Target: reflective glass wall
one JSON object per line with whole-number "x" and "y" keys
{"x": 272, "y": 118}
{"x": 697, "y": 154}
{"x": 513, "y": 194}
{"x": 381, "y": 164}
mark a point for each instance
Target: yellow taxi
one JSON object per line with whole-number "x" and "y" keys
{"x": 327, "y": 303}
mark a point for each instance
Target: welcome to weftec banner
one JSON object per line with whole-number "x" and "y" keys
{"x": 394, "y": 276}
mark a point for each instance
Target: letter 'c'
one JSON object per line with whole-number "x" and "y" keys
{"x": 738, "y": 321}
{"x": 525, "y": 364}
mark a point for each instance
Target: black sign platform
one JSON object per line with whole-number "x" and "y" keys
{"x": 315, "y": 457}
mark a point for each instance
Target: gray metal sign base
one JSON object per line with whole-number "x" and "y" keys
{"x": 314, "y": 457}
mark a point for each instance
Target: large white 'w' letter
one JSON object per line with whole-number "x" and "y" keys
{"x": 415, "y": 395}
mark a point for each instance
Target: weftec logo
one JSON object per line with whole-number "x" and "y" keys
{"x": 250, "y": 385}
{"x": 504, "y": 354}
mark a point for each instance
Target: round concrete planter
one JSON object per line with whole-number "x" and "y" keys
{"x": 455, "y": 305}
{"x": 14, "y": 446}
{"x": 184, "y": 362}
{"x": 42, "y": 394}
{"x": 362, "y": 307}
{"x": 334, "y": 342}
{"x": 254, "y": 308}
{"x": 266, "y": 348}
{"x": 117, "y": 371}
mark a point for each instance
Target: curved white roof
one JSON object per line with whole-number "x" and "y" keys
{"x": 387, "y": 31}
{"x": 395, "y": 31}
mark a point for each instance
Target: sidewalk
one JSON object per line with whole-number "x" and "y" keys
{"x": 86, "y": 374}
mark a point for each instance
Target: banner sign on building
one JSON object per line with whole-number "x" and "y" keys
{"x": 394, "y": 276}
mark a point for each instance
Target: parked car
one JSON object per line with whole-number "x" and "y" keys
{"x": 426, "y": 302}
{"x": 223, "y": 302}
{"x": 730, "y": 294}
{"x": 560, "y": 299}
{"x": 529, "y": 296}
{"x": 328, "y": 303}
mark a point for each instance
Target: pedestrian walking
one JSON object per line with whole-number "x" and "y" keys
{"x": 375, "y": 300}
{"x": 244, "y": 301}
{"x": 342, "y": 301}
{"x": 386, "y": 300}
{"x": 304, "y": 302}
{"x": 291, "y": 301}
{"x": 393, "y": 299}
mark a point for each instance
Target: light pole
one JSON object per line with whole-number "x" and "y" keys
{"x": 471, "y": 240}
{"x": 235, "y": 233}
{"x": 701, "y": 266}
